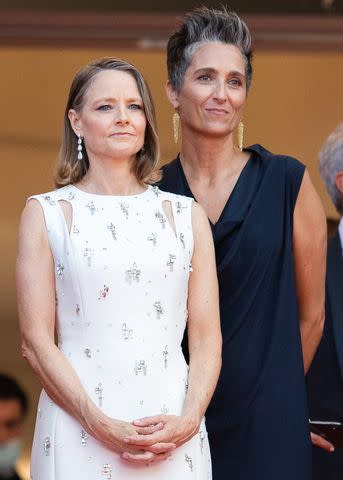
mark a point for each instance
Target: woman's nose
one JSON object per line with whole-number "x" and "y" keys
{"x": 121, "y": 115}
{"x": 220, "y": 91}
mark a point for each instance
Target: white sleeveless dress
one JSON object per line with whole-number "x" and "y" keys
{"x": 121, "y": 291}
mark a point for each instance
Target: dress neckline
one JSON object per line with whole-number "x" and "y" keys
{"x": 113, "y": 197}
{"x": 232, "y": 194}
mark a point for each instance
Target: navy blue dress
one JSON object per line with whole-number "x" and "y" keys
{"x": 257, "y": 420}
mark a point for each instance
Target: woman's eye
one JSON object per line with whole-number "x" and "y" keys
{"x": 204, "y": 78}
{"x": 104, "y": 108}
{"x": 235, "y": 82}
{"x": 135, "y": 106}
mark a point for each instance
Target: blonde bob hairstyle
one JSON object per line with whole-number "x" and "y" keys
{"x": 71, "y": 170}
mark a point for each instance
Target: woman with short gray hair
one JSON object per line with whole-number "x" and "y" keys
{"x": 270, "y": 237}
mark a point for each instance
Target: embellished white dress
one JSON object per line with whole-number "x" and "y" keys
{"x": 121, "y": 290}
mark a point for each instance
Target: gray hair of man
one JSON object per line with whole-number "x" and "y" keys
{"x": 331, "y": 163}
{"x": 205, "y": 25}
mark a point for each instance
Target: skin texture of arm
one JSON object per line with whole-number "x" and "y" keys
{"x": 34, "y": 275}
{"x": 309, "y": 247}
{"x": 204, "y": 340}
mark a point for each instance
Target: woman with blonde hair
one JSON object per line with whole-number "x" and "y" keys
{"x": 104, "y": 261}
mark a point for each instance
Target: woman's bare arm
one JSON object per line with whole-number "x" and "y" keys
{"x": 204, "y": 333}
{"x": 309, "y": 246}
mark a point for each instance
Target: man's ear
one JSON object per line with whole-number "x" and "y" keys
{"x": 339, "y": 181}
{"x": 75, "y": 122}
{"x": 172, "y": 95}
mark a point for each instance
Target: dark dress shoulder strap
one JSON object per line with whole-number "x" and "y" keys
{"x": 293, "y": 171}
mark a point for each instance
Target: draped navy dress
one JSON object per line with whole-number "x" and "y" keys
{"x": 257, "y": 420}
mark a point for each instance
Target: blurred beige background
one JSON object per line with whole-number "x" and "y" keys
{"x": 295, "y": 102}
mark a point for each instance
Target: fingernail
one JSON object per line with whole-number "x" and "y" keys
{"x": 124, "y": 455}
{"x": 332, "y": 449}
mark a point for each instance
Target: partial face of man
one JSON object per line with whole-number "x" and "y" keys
{"x": 11, "y": 419}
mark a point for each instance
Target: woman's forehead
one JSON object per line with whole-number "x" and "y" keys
{"x": 111, "y": 83}
{"x": 217, "y": 56}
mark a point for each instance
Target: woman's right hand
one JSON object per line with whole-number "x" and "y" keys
{"x": 112, "y": 433}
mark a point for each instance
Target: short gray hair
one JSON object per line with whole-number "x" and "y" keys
{"x": 204, "y": 25}
{"x": 331, "y": 163}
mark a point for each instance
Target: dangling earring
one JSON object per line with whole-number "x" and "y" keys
{"x": 79, "y": 147}
{"x": 240, "y": 134}
{"x": 176, "y": 122}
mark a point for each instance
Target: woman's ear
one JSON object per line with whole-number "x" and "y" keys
{"x": 172, "y": 94}
{"x": 75, "y": 122}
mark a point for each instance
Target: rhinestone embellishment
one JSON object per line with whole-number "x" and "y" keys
{"x": 153, "y": 239}
{"x": 160, "y": 217}
{"x": 47, "y": 446}
{"x": 127, "y": 332}
{"x": 171, "y": 262}
{"x": 112, "y": 229}
{"x": 60, "y": 269}
{"x": 164, "y": 409}
{"x": 88, "y": 352}
{"x": 133, "y": 273}
{"x": 141, "y": 367}
{"x": 156, "y": 190}
{"x": 125, "y": 209}
{"x": 182, "y": 240}
{"x": 77, "y": 309}
{"x": 158, "y": 308}
{"x": 91, "y": 207}
{"x": 103, "y": 294}
{"x": 49, "y": 200}
{"x": 84, "y": 438}
{"x": 165, "y": 356}
{"x": 202, "y": 438}
{"x": 179, "y": 207}
{"x": 189, "y": 461}
{"x": 88, "y": 253}
{"x": 99, "y": 393}
{"x": 107, "y": 471}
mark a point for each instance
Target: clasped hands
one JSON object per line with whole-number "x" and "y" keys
{"x": 156, "y": 437}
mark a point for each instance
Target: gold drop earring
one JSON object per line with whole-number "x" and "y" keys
{"x": 176, "y": 123}
{"x": 240, "y": 134}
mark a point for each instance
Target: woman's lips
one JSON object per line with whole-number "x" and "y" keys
{"x": 122, "y": 134}
{"x": 217, "y": 111}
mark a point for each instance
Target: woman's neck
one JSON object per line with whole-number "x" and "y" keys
{"x": 111, "y": 178}
{"x": 209, "y": 157}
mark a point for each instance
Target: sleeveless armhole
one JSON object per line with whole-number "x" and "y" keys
{"x": 294, "y": 175}
{"x": 50, "y": 213}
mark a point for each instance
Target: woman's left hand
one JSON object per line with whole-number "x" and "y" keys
{"x": 176, "y": 430}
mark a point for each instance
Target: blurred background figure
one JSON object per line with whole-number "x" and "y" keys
{"x": 325, "y": 377}
{"x": 13, "y": 408}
